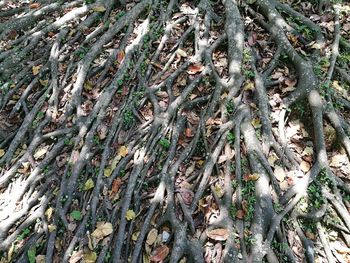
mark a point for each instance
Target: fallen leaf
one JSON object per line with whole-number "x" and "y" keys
{"x": 130, "y": 215}
{"x": 51, "y": 228}
{"x": 123, "y": 151}
{"x": 90, "y": 257}
{"x": 249, "y": 86}
{"x": 120, "y": 56}
{"x": 279, "y": 173}
{"x": 240, "y": 214}
{"x": 76, "y": 256}
{"x": 251, "y": 177}
{"x": 152, "y": 236}
{"x": 36, "y": 70}
{"x": 290, "y": 82}
{"x": 99, "y": 9}
{"x": 107, "y": 172}
{"x": 44, "y": 82}
{"x": 116, "y": 185}
{"x": 219, "y": 234}
{"x": 49, "y": 213}
{"x": 41, "y": 259}
{"x": 256, "y": 123}
{"x": 194, "y": 69}
{"x": 89, "y": 184}
{"x": 34, "y": 5}
{"x": 102, "y": 230}
{"x": 160, "y": 253}
{"x": 102, "y": 131}
{"x": 336, "y": 161}
{"x": 2, "y": 152}
{"x": 40, "y": 153}
{"x": 188, "y": 133}
{"x": 181, "y": 53}
{"x": 305, "y": 166}
{"x": 187, "y": 195}
{"x": 135, "y": 236}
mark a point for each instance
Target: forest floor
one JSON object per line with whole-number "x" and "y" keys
{"x": 174, "y": 131}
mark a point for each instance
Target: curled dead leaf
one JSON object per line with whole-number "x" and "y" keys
{"x": 194, "y": 69}
{"x": 160, "y": 253}
{"x": 219, "y": 234}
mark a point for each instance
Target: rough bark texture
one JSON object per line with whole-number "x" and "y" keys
{"x": 184, "y": 131}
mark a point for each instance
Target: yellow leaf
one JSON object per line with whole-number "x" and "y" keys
{"x": 102, "y": 230}
{"x": 90, "y": 257}
{"x": 107, "y": 172}
{"x": 88, "y": 85}
{"x": 51, "y": 228}
{"x": 256, "y": 123}
{"x": 99, "y": 8}
{"x": 49, "y": 213}
{"x": 123, "y": 151}
{"x": 253, "y": 177}
{"x": 89, "y": 184}
{"x": 36, "y": 70}
{"x": 10, "y": 252}
{"x": 249, "y": 86}
{"x": 130, "y": 215}
{"x": 2, "y": 152}
{"x": 135, "y": 236}
{"x": 44, "y": 82}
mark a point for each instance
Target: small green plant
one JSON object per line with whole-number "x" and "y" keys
{"x": 248, "y": 194}
{"x": 128, "y": 118}
{"x": 231, "y": 138}
{"x": 316, "y": 199}
{"x": 247, "y": 56}
{"x": 24, "y": 234}
{"x": 230, "y": 107}
{"x": 299, "y": 108}
{"x": 165, "y": 143}
{"x": 81, "y": 52}
{"x": 248, "y": 73}
{"x": 119, "y": 15}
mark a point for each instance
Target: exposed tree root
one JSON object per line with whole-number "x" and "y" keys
{"x": 158, "y": 130}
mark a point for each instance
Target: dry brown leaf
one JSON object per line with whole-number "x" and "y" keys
{"x": 102, "y": 230}
{"x": 76, "y": 256}
{"x": 160, "y": 253}
{"x": 116, "y": 185}
{"x": 240, "y": 214}
{"x": 290, "y": 82}
{"x": 338, "y": 160}
{"x": 152, "y": 236}
{"x": 219, "y": 234}
{"x": 120, "y": 56}
{"x": 194, "y": 69}
{"x": 251, "y": 177}
{"x": 187, "y": 195}
{"x": 188, "y": 133}
{"x": 34, "y": 5}
{"x": 279, "y": 173}
{"x": 305, "y": 166}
